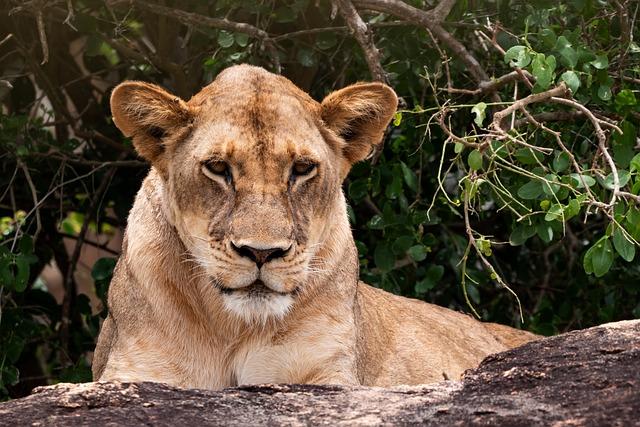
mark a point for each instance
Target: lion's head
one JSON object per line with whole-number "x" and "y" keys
{"x": 251, "y": 169}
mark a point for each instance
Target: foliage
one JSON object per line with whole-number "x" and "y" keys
{"x": 515, "y": 195}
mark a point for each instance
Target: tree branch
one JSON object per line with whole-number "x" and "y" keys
{"x": 363, "y": 36}
{"x": 190, "y": 18}
{"x": 560, "y": 90}
{"x": 602, "y": 143}
{"x": 68, "y": 280}
{"x": 426, "y": 19}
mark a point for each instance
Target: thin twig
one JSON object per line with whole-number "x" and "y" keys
{"x": 98, "y": 245}
{"x": 602, "y": 143}
{"x": 68, "y": 282}
{"x": 34, "y": 196}
{"x": 42, "y": 34}
{"x": 423, "y": 18}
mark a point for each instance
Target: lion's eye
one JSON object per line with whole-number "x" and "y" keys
{"x": 301, "y": 169}
{"x": 217, "y": 169}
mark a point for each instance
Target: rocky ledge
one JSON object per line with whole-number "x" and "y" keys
{"x": 589, "y": 377}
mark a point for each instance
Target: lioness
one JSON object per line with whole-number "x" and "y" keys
{"x": 238, "y": 264}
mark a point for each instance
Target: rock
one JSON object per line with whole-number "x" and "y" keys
{"x": 589, "y": 377}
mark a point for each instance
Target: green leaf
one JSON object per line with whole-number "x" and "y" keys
{"x": 542, "y": 69}
{"x": 484, "y": 246}
{"x": 601, "y": 256}
{"x": 475, "y": 160}
{"x": 305, "y": 57}
{"x": 26, "y": 245}
{"x": 6, "y": 273}
{"x": 458, "y": 147}
{"x": 225, "y": 39}
{"x": 402, "y": 244}
{"x": 568, "y": 54}
{"x": 545, "y": 232}
{"x": 580, "y": 179}
{"x": 623, "y": 178}
{"x": 571, "y": 79}
{"x": 284, "y": 14}
{"x": 22, "y": 274}
{"x": 521, "y": 234}
{"x": 527, "y": 156}
{"x": 480, "y": 112}
{"x": 635, "y": 163}
{"x": 572, "y": 209}
{"x": 397, "y": 118}
{"x": 326, "y": 41}
{"x": 409, "y": 176}
{"x": 604, "y": 92}
{"x": 383, "y": 257}
{"x": 632, "y": 222}
{"x": 10, "y": 375}
{"x": 625, "y": 98}
{"x": 394, "y": 190}
{"x": 418, "y": 252}
{"x": 624, "y": 144}
{"x": 624, "y": 247}
{"x": 358, "y": 189}
{"x": 103, "y": 269}
{"x": 517, "y": 56}
{"x": 555, "y": 212}
{"x": 376, "y": 223}
{"x": 531, "y": 190}
{"x": 548, "y": 37}
{"x": 433, "y": 276}
{"x": 548, "y": 186}
{"x": 242, "y": 39}
{"x": 561, "y": 161}
{"x": 601, "y": 62}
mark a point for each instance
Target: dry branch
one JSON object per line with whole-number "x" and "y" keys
{"x": 363, "y": 36}
{"x": 602, "y": 143}
{"x": 549, "y": 116}
{"x": 190, "y": 18}
{"x": 68, "y": 280}
{"x": 430, "y": 21}
{"x": 560, "y": 90}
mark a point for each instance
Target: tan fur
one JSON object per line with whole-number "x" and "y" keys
{"x": 184, "y": 305}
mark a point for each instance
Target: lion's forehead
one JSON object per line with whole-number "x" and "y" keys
{"x": 259, "y": 136}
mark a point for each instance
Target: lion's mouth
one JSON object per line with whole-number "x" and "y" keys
{"x": 255, "y": 289}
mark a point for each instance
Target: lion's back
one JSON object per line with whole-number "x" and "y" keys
{"x": 406, "y": 341}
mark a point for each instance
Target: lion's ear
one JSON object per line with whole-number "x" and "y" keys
{"x": 359, "y": 114}
{"x": 148, "y": 114}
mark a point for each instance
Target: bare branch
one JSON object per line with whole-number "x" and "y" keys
{"x": 43, "y": 36}
{"x": 68, "y": 281}
{"x": 363, "y": 36}
{"x": 344, "y": 28}
{"x": 6, "y": 39}
{"x": 404, "y": 11}
{"x": 560, "y": 90}
{"x": 549, "y": 116}
{"x": 190, "y": 18}
{"x": 70, "y": 15}
{"x": 493, "y": 85}
{"x": 34, "y": 196}
{"x": 602, "y": 143}
{"x": 79, "y": 161}
{"x": 442, "y": 10}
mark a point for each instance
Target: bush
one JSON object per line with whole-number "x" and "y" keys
{"x": 508, "y": 185}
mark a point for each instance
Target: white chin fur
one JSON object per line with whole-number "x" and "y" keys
{"x": 257, "y": 309}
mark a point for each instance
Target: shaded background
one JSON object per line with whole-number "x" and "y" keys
{"x": 452, "y": 210}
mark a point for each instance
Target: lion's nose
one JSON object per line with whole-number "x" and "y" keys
{"x": 260, "y": 256}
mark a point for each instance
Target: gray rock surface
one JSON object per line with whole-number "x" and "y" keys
{"x": 589, "y": 377}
